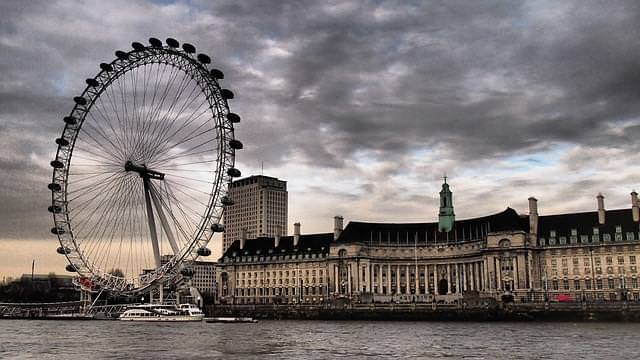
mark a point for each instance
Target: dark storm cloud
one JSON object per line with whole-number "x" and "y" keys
{"x": 329, "y": 83}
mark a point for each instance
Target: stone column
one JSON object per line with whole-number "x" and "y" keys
{"x": 388, "y": 279}
{"x": 498, "y": 271}
{"x": 407, "y": 279}
{"x": 369, "y": 278}
{"x": 397, "y": 279}
{"x": 449, "y": 278}
{"x": 336, "y": 282}
{"x": 516, "y": 272}
{"x": 465, "y": 278}
{"x": 379, "y": 279}
{"x": 486, "y": 283}
{"x": 435, "y": 279}
{"x": 426, "y": 279}
{"x": 417, "y": 279}
{"x": 349, "y": 278}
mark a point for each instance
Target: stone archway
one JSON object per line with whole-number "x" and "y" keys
{"x": 443, "y": 287}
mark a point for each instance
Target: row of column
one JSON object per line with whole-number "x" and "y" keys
{"x": 377, "y": 278}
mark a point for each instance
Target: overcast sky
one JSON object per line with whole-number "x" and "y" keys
{"x": 360, "y": 106}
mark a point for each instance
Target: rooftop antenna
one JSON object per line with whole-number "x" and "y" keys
{"x": 33, "y": 265}
{"x": 262, "y": 168}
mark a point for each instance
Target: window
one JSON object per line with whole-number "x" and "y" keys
{"x": 584, "y": 239}
{"x": 552, "y": 233}
{"x": 554, "y": 284}
{"x": 630, "y": 236}
{"x": 576, "y": 284}
{"x": 621, "y": 260}
{"x": 634, "y": 282}
{"x": 610, "y": 283}
{"x": 596, "y": 231}
{"x": 606, "y": 237}
{"x": 564, "y": 262}
{"x": 618, "y": 229}
{"x": 587, "y": 284}
{"x": 599, "y": 284}
{"x": 574, "y": 232}
{"x": 632, "y": 259}
{"x": 565, "y": 284}
{"x": 609, "y": 260}
{"x": 554, "y": 262}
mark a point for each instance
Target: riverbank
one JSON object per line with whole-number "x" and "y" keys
{"x": 609, "y": 311}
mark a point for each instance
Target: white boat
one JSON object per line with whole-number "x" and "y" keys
{"x": 162, "y": 313}
{"x": 231, "y": 320}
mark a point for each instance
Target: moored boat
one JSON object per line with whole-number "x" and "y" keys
{"x": 162, "y": 313}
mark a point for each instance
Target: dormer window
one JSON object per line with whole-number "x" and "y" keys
{"x": 574, "y": 232}
{"x": 596, "y": 231}
{"x": 618, "y": 229}
{"x": 552, "y": 233}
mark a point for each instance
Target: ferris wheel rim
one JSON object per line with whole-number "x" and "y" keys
{"x": 216, "y": 96}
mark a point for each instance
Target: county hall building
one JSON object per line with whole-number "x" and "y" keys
{"x": 588, "y": 256}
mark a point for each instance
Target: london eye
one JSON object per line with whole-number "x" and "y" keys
{"x": 142, "y": 167}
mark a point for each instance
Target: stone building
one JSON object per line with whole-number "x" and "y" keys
{"x": 567, "y": 257}
{"x": 259, "y": 208}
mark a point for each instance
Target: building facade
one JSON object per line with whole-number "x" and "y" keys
{"x": 260, "y": 206}
{"x": 589, "y": 256}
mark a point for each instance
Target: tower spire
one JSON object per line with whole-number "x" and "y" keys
{"x": 446, "y": 216}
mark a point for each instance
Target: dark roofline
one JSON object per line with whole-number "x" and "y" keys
{"x": 486, "y": 217}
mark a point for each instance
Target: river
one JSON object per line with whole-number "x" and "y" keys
{"x": 37, "y": 339}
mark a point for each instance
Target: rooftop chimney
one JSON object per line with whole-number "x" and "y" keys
{"x": 296, "y": 233}
{"x": 276, "y": 240}
{"x": 337, "y": 226}
{"x": 243, "y": 239}
{"x": 634, "y": 206}
{"x": 600, "y": 198}
{"x": 533, "y": 219}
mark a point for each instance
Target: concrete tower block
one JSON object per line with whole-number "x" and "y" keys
{"x": 601, "y": 212}
{"x": 635, "y": 210}
{"x": 338, "y": 223}
{"x": 296, "y": 233}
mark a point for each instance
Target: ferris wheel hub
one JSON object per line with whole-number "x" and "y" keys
{"x": 143, "y": 171}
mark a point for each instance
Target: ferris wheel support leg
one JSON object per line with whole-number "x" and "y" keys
{"x": 152, "y": 222}
{"x": 164, "y": 222}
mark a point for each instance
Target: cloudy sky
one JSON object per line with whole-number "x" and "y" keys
{"x": 360, "y": 106}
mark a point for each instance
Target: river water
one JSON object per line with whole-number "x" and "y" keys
{"x": 37, "y": 339}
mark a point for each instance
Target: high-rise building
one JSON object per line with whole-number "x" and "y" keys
{"x": 259, "y": 209}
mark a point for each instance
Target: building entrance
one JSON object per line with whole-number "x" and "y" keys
{"x": 443, "y": 287}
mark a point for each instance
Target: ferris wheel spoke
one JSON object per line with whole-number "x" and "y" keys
{"x": 113, "y": 224}
{"x": 155, "y": 113}
{"x": 105, "y": 219}
{"x": 185, "y": 138}
{"x": 185, "y": 125}
{"x": 114, "y": 139}
{"x": 189, "y": 152}
{"x": 162, "y": 139}
{"x": 184, "y": 186}
{"x": 84, "y": 209}
{"x": 97, "y": 143}
{"x": 95, "y": 185}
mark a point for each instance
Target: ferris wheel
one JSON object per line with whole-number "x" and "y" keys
{"x": 143, "y": 165}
